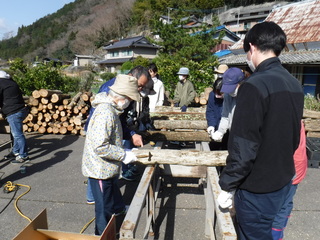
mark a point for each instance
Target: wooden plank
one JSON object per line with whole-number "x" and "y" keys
{"x": 130, "y": 223}
{"x": 195, "y": 136}
{"x": 165, "y": 109}
{"x": 224, "y": 228}
{"x": 183, "y": 171}
{"x": 181, "y": 157}
{"x": 205, "y": 146}
{"x": 184, "y": 124}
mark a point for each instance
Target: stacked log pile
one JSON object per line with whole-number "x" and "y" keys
{"x": 192, "y": 124}
{"x": 51, "y": 111}
{"x": 186, "y": 126}
{"x": 312, "y": 123}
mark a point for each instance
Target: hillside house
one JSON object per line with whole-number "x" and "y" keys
{"x": 125, "y": 50}
{"x": 301, "y": 57}
{"x": 83, "y": 60}
{"x": 241, "y": 19}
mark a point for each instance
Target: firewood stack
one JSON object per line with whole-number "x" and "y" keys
{"x": 55, "y": 112}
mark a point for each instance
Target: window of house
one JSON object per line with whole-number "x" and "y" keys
{"x": 127, "y": 53}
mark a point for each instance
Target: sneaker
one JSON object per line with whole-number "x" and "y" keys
{"x": 123, "y": 211}
{"x": 20, "y": 160}
{"x": 10, "y": 156}
{"x": 91, "y": 202}
{"x": 128, "y": 175}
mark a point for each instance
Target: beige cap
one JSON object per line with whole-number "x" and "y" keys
{"x": 126, "y": 85}
{"x": 222, "y": 68}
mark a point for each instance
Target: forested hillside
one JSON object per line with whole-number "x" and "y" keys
{"x": 83, "y": 26}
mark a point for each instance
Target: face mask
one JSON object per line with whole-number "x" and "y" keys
{"x": 234, "y": 93}
{"x": 143, "y": 93}
{"x": 218, "y": 95}
{"x": 123, "y": 104}
{"x": 250, "y": 64}
{"x": 181, "y": 78}
{"x": 154, "y": 79}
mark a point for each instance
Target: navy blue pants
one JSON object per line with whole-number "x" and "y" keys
{"x": 107, "y": 195}
{"x": 281, "y": 220}
{"x": 256, "y": 212}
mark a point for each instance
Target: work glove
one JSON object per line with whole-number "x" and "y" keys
{"x": 176, "y": 104}
{"x": 210, "y": 130}
{"x": 129, "y": 157}
{"x": 225, "y": 199}
{"x": 217, "y": 136}
{"x": 184, "y": 108}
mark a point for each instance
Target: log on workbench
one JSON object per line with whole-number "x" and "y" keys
{"x": 182, "y": 157}
{"x": 184, "y": 124}
{"x": 195, "y": 136}
{"x": 178, "y": 109}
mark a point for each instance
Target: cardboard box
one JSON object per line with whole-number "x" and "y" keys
{"x": 38, "y": 230}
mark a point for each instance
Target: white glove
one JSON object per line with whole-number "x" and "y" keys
{"x": 217, "y": 136}
{"x": 225, "y": 199}
{"x": 210, "y": 130}
{"x": 129, "y": 157}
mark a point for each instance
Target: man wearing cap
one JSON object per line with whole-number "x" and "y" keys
{"x": 184, "y": 93}
{"x": 231, "y": 81}
{"x": 215, "y": 103}
{"x": 15, "y": 110}
{"x": 103, "y": 149}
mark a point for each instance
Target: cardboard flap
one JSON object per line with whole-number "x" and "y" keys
{"x": 56, "y": 235}
{"x": 29, "y": 232}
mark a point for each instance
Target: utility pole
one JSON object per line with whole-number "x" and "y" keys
{"x": 169, "y": 8}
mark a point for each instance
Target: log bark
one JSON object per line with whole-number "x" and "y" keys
{"x": 180, "y": 124}
{"x": 182, "y": 157}
{"x": 36, "y": 94}
{"x": 197, "y": 136}
{"x": 312, "y": 125}
{"x": 74, "y": 100}
{"x": 33, "y": 101}
{"x": 56, "y": 98}
{"x": 311, "y": 114}
{"x": 207, "y": 92}
{"x": 166, "y": 109}
{"x": 47, "y": 93}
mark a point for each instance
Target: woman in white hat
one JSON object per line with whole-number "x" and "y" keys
{"x": 103, "y": 150}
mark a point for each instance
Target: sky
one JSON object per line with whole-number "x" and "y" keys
{"x": 16, "y": 13}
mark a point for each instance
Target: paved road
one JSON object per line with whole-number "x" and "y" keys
{"x": 57, "y": 184}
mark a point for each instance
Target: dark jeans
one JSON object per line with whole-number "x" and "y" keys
{"x": 107, "y": 198}
{"x": 281, "y": 220}
{"x": 19, "y": 140}
{"x": 256, "y": 212}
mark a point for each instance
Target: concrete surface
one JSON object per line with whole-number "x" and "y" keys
{"x": 57, "y": 184}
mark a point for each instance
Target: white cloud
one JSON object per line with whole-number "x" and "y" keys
{"x": 3, "y": 26}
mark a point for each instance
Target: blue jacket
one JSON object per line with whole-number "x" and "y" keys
{"x": 214, "y": 110}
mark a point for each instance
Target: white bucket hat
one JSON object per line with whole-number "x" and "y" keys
{"x": 126, "y": 85}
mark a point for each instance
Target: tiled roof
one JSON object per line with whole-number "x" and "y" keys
{"x": 131, "y": 42}
{"x": 292, "y": 57}
{"x": 300, "y": 21}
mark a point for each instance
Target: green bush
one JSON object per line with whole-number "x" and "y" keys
{"x": 311, "y": 103}
{"x": 107, "y": 76}
{"x": 30, "y": 78}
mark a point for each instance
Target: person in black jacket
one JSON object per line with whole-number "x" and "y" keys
{"x": 15, "y": 110}
{"x": 263, "y": 137}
